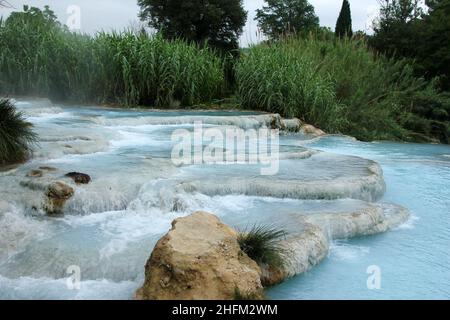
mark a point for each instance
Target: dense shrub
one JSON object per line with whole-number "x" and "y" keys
{"x": 16, "y": 136}
{"x": 338, "y": 85}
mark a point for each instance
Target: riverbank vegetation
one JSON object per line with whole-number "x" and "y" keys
{"x": 339, "y": 85}
{"x": 16, "y": 135}
{"x": 336, "y": 81}
{"x": 38, "y": 56}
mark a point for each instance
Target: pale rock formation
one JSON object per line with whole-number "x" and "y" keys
{"x": 311, "y": 130}
{"x": 199, "y": 259}
{"x": 310, "y": 245}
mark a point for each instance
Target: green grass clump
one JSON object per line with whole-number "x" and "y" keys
{"x": 38, "y": 56}
{"x": 262, "y": 244}
{"x": 338, "y": 85}
{"x": 16, "y": 135}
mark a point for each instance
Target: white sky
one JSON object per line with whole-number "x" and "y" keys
{"x": 118, "y": 14}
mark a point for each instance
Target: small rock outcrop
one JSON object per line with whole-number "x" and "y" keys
{"x": 35, "y": 174}
{"x": 199, "y": 259}
{"x": 49, "y": 169}
{"x": 311, "y": 130}
{"x": 79, "y": 178}
{"x": 56, "y": 196}
{"x": 291, "y": 125}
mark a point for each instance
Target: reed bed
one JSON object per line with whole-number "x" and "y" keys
{"x": 40, "y": 57}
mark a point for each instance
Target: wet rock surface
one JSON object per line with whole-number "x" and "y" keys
{"x": 79, "y": 178}
{"x": 56, "y": 196}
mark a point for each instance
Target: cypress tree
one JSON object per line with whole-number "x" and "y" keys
{"x": 344, "y": 22}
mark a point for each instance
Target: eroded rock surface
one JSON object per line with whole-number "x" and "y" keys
{"x": 310, "y": 244}
{"x": 56, "y": 196}
{"x": 199, "y": 259}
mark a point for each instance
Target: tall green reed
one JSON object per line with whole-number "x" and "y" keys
{"x": 40, "y": 57}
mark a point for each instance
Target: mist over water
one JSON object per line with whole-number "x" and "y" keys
{"x": 112, "y": 224}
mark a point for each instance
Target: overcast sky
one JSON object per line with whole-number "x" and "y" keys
{"x": 118, "y": 14}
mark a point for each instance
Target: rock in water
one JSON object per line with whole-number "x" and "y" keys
{"x": 199, "y": 259}
{"x": 79, "y": 178}
{"x": 311, "y": 130}
{"x": 50, "y": 169}
{"x": 35, "y": 174}
{"x": 56, "y": 196}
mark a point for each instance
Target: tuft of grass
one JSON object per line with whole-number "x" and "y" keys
{"x": 16, "y": 135}
{"x": 262, "y": 244}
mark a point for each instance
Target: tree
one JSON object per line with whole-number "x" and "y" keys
{"x": 284, "y": 17}
{"x": 433, "y": 52}
{"x": 401, "y": 11}
{"x": 396, "y": 30}
{"x": 344, "y": 22}
{"x": 217, "y": 22}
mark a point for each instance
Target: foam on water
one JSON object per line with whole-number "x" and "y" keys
{"x": 26, "y": 288}
{"x": 343, "y": 251}
{"x": 17, "y": 230}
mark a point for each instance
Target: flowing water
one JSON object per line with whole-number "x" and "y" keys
{"x": 111, "y": 225}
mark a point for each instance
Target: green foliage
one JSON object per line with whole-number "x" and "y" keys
{"x": 433, "y": 49}
{"x": 262, "y": 244}
{"x": 39, "y": 57}
{"x": 396, "y": 28}
{"x": 283, "y": 17}
{"x": 429, "y": 114}
{"x": 403, "y": 30}
{"x": 217, "y": 22}
{"x": 16, "y": 135}
{"x": 338, "y": 85}
{"x": 344, "y": 22}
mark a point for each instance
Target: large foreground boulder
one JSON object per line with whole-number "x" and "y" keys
{"x": 200, "y": 259}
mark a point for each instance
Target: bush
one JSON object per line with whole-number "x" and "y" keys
{"x": 262, "y": 244}
{"x": 338, "y": 85}
{"x": 16, "y": 136}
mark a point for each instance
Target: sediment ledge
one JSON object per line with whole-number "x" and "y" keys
{"x": 310, "y": 246}
{"x": 369, "y": 187}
